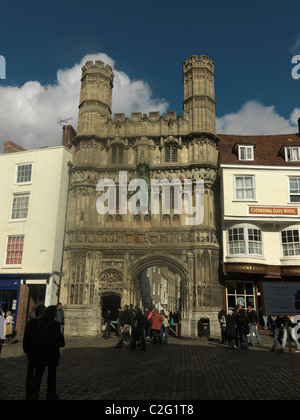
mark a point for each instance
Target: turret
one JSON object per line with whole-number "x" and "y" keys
{"x": 199, "y": 94}
{"x": 95, "y": 97}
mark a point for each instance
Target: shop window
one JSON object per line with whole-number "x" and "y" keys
{"x": 290, "y": 242}
{"x": 240, "y": 293}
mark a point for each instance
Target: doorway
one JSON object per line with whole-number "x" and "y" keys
{"x": 111, "y": 301}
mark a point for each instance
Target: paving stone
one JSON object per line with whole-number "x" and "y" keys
{"x": 184, "y": 370}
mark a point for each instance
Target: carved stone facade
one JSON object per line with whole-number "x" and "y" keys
{"x": 105, "y": 253}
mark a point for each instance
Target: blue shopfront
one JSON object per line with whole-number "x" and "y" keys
{"x": 9, "y": 295}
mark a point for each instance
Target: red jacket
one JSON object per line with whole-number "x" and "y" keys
{"x": 157, "y": 319}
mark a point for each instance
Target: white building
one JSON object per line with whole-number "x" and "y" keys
{"x": 33, "y": 192}
{"x": 260, "y": 205}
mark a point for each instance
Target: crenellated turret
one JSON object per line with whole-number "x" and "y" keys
{"x": 199, "y": 94}
{"x": 95, "y": 97}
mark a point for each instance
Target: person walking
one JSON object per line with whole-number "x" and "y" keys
{"x": 157, "y": 320}
{"x": 166, "y": 325}
{"x": 30, "y": 336}
{"x": 125, "y": 326}
{"x": 138, "y": 333}
{"x": 289, "y": 328}
{"x": 2, "y": 331}
{"x": 9, "y": 322}
{"x": 41, "y": 345}
{"x": 253, "y": 321}
{"x": 222, "y": 322}
{"x": 277, "y": 324}
{"x": 107, "y": 321}
{"x": 60, "y": 317}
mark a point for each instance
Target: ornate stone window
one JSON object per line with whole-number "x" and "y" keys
{"x": 171, "y": 153}
{"x": 111, "y": 276}
{"x": 117, "y": 155}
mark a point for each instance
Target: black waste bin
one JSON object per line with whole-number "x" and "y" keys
{"x": 204, "y": 327}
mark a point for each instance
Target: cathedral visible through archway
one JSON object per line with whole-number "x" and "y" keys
{"x": 109, "y": 256}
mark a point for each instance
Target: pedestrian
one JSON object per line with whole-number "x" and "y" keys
{"x": 9, "y": 322}
{"x": 277, "y": 324}
{"x": 157, "y": 320}
{"x": 107, "y": 321}
{"x": 253, "y": 320}
{"x": 30, "y": 335}
{"x": 60, "y": 317}
{"x": 242, "y": 321}
{"x": 42, "y": 344}
{"x": 235, "y": 314}
{"x": 148, "y": 316}
{"x": 2, "y": 331}
{"x": 222, "y": 322}
{"x": 125, "y": 326}
{"x": 289, "y": 328}
{"x": 164, "y": 331}
{"x": 230, "y": 329}
{"x": 138, "y": 333}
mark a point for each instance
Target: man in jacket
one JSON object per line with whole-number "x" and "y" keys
{"x": 253, "y": 320}
{"x": 125, "y": 324}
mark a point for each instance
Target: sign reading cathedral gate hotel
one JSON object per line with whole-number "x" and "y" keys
{"x": 273, "y": 211}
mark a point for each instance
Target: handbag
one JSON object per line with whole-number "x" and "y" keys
{"x": 8, "y": 329}
{"x": 103, "y": 328}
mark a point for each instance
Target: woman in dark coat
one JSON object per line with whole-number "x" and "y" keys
{"x": 230, "y": 330}
{"x": 41, "y": 343}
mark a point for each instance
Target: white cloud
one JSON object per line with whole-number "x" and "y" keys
{"x": 254, "y": 118}
{"x": 295, "y": 48}
{"x": 29, "y": 113}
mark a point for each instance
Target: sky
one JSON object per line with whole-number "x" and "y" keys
{"x": 45, "y": 44}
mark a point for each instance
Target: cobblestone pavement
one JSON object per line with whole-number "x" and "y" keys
{"x": 185, "y": 369}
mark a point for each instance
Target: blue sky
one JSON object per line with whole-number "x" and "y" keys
{"x": 251, "y": 42}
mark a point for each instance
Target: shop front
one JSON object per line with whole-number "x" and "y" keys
{"x": 243, "y": 283}
{"x": 9, "y": 296}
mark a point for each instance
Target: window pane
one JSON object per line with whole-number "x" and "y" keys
{"x": 167, "y": 154}
{"x": 174, "y": 153}
{"x": 121, "y": 155}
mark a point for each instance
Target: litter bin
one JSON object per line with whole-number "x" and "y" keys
{"x": 204, "y": 327}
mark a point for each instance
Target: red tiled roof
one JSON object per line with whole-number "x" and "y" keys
{"x": 268, "y": 149}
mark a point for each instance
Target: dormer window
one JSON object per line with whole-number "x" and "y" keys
{"x": 246, "y": 152}
{"x": 292, "y": 154}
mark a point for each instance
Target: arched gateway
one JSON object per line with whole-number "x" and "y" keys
{"x": 143, "y": 192}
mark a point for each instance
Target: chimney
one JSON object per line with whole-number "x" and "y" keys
{"x": 11, "y": 147}
{"x": 68, "y": 136}
{"x": 299, "y": 125}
